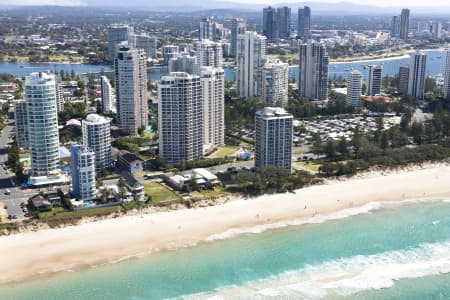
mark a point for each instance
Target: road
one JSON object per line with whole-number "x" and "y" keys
{"x": 17, "y": 196}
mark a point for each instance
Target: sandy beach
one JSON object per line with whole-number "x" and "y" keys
{"x": 27, "y": 254}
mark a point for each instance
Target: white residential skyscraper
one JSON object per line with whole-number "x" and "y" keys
{"x": 108, "y": 97}
{"x": 354, "y": 82}
{"x": 43, "y": 136}
{"x": 446, "y": 93}
{"x": 212, "y": 82}
{"x": 313, "y": 71}
{"x": 83, "y": 172}
{"x": 238, "y": 27}
{"x": 180, "y": 116}
{"x": 209, "y": 54}
{"x": 275, "y": 83}
{"x": 273, "y": 139}
{"x": 251, "y": 54}
{"x": 374, "y": 80}
{"x": 97, "y": 137}
{"x": 417, "y": 73}
{"x": 131, "y": 89}
{"x": 118, "y": 33}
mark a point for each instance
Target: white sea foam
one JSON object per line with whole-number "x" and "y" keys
{"x": 343, "y": 277}
{"x": 321, "y": 218}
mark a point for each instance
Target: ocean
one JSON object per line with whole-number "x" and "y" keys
{"x": 378, "y": 251}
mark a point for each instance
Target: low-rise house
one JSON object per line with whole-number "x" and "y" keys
{"x": 130, "y": 162}
{"x": 201, "y": 178}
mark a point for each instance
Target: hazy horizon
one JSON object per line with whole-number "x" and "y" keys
{"x": 378, "y": 3}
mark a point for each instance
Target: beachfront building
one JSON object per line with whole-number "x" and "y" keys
{"x": 82, "y": 165}
{"x": 270, "y": 24}
{"x": 108, "y": 97}
{"x": 97, "y": 137}
{"x": 251, "y": 55}
{"x": 417, "y": 73}
{"x": 184, "y": 63}
{"x": 313, "y": 71}
{"x": 403, "y": 78}
{"x": 147, "y": 43}
{"x": 118, "y": 33}
{"x": 131, "y": 89}
{"x": 180, "y": 116}
{"x": 273, "y": 138}
{"x": 304, "y": 23}
{"x": 213, "y": 86}
{"x": 21, "y": 123}
{"x": 275, "y": 83}
{"x": 446, "y": 92}
{"x": 284, "y": 22}
{"x": 209, "y": 54}
{"x": 374, "y": 80}
{"x": 354, "y": 82}
{"x": 238, "y": 27}
{"x": 43, "y": 135}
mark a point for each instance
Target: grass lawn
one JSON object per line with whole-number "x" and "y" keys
{"x": 223, "y": 151}
{"x": 307, "y": 166}
{"x": 159, "y": 192}
{"x": 60, "y": 214}
{"x": 209, "y": 194}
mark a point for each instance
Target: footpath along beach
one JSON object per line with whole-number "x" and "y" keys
{"x": 28, "y": 254}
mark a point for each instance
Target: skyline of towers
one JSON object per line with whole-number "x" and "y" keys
{"x": 130, "y": 68}
{"x": 304, "y": 23}
{"x": 275, "y": 83}
{"x": 238, "y": 27}
{"x": 96, "y": 132}
{"x": 273, "y": 138}
{"x": 374, "y": 80}
{"x": 313, "y": 71}
{"x": 180, "y": 115}
{"x": 82, "y": 165}
{"x": 354, "y": 86}
{"x": 417, "y": 74}
{"x": 43, "y": 135}
{"x": 251, "y": 54}
{"x": 212, "y": 83}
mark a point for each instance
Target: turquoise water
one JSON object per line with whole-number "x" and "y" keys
{"x": 392, "y": 252}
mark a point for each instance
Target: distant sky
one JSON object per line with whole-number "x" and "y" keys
{"x": 385, "y": 3}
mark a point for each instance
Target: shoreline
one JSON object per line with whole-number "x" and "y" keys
{"x": 111, "y": 240}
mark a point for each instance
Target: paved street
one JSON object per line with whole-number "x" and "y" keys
{"x": 17, "y": 196}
